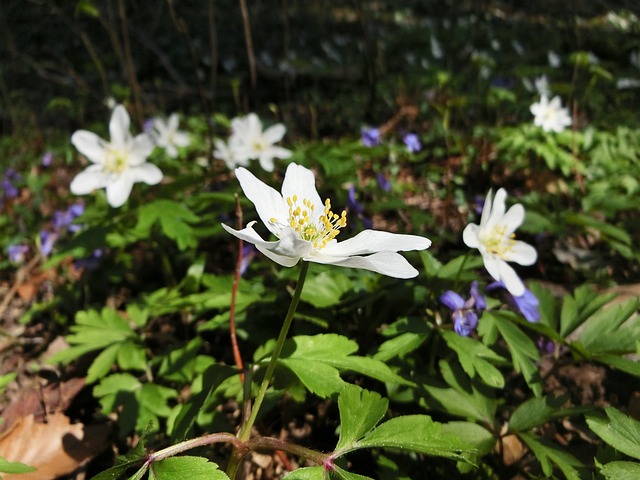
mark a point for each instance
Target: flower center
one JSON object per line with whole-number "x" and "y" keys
{"x": 115, "y": 161}
{"x": 320, "y": 231}
{"x": 497, "y": 241}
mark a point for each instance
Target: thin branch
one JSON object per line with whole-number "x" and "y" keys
{"x": 246, "y": 25}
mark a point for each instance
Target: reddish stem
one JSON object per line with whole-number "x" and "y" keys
{"x": 234, "y": 293}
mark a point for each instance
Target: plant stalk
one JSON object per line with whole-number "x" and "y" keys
{"x": 245, "y": 429}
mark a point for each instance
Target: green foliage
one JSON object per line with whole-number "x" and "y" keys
{"x": 185, "y": 468}
{"x": 14, "y": 467}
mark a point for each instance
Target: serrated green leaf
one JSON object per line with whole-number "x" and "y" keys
{"x": 619, "y": 430}
{"x": 318, "y": 377}
{"x": 174, "y": 219}
{"x": 179, "y": 364}
{"x": 620, "y": 363}
{"x": 185, "y": 468}
{"x": 458, "y": 268}
{"x": 131, "y": 356}
{"x": 621, "y": 471}
{"x": 14, "y": 467}
{"x": 474, "y": 356}
{"x": 417, "y": 433}
{"x": 549, "y": 453}
{"x": 360, "y": 412}
{"x": 612, "y": 329}
{"x": 401, "y": 345}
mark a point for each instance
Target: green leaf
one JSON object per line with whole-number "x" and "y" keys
{"x": 523, "y": 351}
{"x": 477, "y": 436}
{"x": 360, "y": 412}
{"x": 467, "y": 397}
{"x": 102, "y": 363}
{"x": 317, "y": 361}
{"x": 474, "y": 356}
{"x": 212, "y": 377}
{"x": 14, "y": 467}
{"x": 6, "y": 379}
{"x": 619, "y": 430}
{"x": 306, "y": 473}
{"x": 539, "y": 410}
{"x": 185, "y": 468}
{"x": 326, "y": 289}
{"x": 612, "y": 329}
{"x": 174, "y": 219}
{"x": 417, "y": 433}
{"x": 549, "y": 453}
{"x": 621, "y": 471}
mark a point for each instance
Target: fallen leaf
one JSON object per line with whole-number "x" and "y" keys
{"x": 55, "y": 397}
{"x": 512, "y": 449}
{"x": 55, "y": 448}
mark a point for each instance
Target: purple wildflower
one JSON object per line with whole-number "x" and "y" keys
{"x": 354, "y": 206}
{"x": 464, "y": 313}
{"x": 8, "y": 183}
{"x": 527, "y": 303}
{"x": 65, "y": 219}
{"x": 147, "y": 125}
{"x": 47, "y": 240}
{"x": 91, "y": 262}
{"x": 249, "y": 252}
{"x": 383, "y": 182}
{"x": 412, "y": 142}
{"x": 478, "y": 204}
{"x": 17, "y": 253}
{"x": 370, "y": 136}
{"x": 47, "y": 159}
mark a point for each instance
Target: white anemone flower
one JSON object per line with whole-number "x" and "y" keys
{"x": 494, "y": 238}
{"x": 116, "y": 165}
{"x": 229, "y": 152}
{"x": 253, "y": 143}
{"x": 168, "y": 136}
{"x": 550, "y": 115}
{"x": 306, "y": 228}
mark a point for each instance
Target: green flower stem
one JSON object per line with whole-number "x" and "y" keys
{"x": 245, "y": 429}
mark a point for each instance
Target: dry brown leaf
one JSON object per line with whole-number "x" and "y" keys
{"x": 55, "y": 448}
{"x": 55, "y": 397}
{"x": 512, "y": 449}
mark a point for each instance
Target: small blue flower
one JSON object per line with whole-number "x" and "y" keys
{"x": 8, "y": 184}
{"x": 356, "y": 207}
{"x": 47, "y": 159}
{"x": 370, "y": 136}
{"x": 249, "y": 252}
{"x": 464, "y": 313}
{"x": 65, "y": 219}
{"x": 47, "y": 240}
{"x": 412, "y": 142}
{"x": 92, "y": 262}
{"x": 17, "y": 253}
{"x": 527, "y": 303}
{"x": 383, "y": 182}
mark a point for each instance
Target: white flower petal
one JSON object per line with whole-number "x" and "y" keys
{"x": 90, "y": 179}
{"x": 372, "y": 241}
{"x": 119, "y": 127}
{"x": 492, "y": 264}
{"x": 266, "y": 161}
{"x": 497, "y": 209}
{"x": 90, "y": 145}
{"x": 279, "y": 152}
{"x": 119, "y": 189}
{"x": 513, "y": 218}
{"x": 387, "y": 263}
{"x": 147, "y": 173}
{"x": 248, "y": 234}
{"x": 486, "y": 208}
{"x": 511, "y": 279}
{"x": 140, "y": 149}
{"x": 470, "y": 236}
{"x": 522, "y": 253}
{"x": 269, "y": 203}
{"x": 300, "y": 181}
{"x": 274, "y": 133}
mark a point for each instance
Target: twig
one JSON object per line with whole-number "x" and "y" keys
{"x": 249, "y": 41}
{"x": 128, "y": 58}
